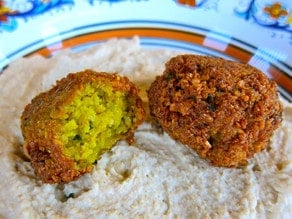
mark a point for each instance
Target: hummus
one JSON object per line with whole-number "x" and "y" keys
{"x": 156, "y": 177}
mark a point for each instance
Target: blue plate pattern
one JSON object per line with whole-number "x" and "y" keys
{"x": 271, "y": 13}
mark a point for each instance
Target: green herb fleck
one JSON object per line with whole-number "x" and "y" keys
{"x": 77, "y": 138}
{"x": 211, "y": 107}
{"x": 169, "y": 76}
{"x": 210, "y": 103}
{"x": 71, "y": 195}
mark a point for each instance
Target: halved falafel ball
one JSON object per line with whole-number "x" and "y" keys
{"x": 67, "y": 128}
{"x": 226, "y": 111}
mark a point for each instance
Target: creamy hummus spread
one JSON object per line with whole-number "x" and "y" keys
{"x": 156, "y": 177}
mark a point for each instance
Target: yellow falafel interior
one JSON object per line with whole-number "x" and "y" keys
{"x": 93, "y": 122}
{"x": 67, "y": 128}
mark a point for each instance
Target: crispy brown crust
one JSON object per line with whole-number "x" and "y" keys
{"x": 41, "y": 131}
{"x": 226, "y": 111}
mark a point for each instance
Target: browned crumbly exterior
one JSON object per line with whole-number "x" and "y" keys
{"x": 226, "y": 111}
{"x": 41, "y": 133}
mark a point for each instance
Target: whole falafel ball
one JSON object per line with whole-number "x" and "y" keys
{"x": 226, "y": 111}
{"x": 67, "y": 128}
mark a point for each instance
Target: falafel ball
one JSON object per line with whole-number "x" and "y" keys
{"x": 226, "y": 111}
{"x": 67, "y": 128}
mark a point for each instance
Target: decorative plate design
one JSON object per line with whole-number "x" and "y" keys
{"x": 258, "y": 32}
